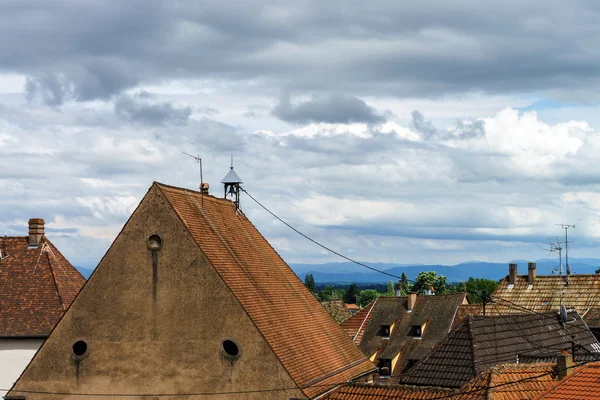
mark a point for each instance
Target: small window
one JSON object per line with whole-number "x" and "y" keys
{"x": 416, "y": 331}
{"x": 385, "y": 368}
{"x": 79, "y": 348}
{"x": 230, "y": 348}
{"x": 384, "y": 331}
{"x": 545, "y": 302}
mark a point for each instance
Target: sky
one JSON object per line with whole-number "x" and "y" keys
{"x": 436, "y": 132}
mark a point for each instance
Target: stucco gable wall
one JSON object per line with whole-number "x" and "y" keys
{"x": 171, "y": 345}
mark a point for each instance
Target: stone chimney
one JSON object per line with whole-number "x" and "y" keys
{"x": 411, "y": 300}
{"x": 36, "y": 231}
{"x": 204, "y": 188}
{"x": 532, "y": 272}
{"x": 564, "y": 365}
{"x": 512, "y": 273}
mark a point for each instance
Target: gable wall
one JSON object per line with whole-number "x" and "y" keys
{"x": 171, "y": 345}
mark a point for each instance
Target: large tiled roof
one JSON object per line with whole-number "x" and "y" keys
{"x": 582, "y": 384}
{"x": 481, "y": 342}
{"x": 337, "y": 309}
{"x": 509, "y": 382}
{"x": 437, "y": 312}
{"x": 37, "y": 285}
{"x": 548, "y": 292}
{"x": 388, "y": 392}
{"x": 356, "y": 325}
{"x": 307, "y": 341}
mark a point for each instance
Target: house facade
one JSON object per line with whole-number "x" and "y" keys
{"x": 191, "y": 299}
{"x": 37, "y": 286}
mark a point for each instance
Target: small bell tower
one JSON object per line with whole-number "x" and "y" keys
{"x": 232, "y": 185}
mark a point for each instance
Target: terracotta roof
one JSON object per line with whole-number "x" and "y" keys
{"x": 356, "y": 325}
{"x": 357, "y": 391}
{"x": 509, "y": 382}
{"x": 307, "y": 341}
{"x": 582, "y": 384}
{"x": 437, "y": 312}
{"x": 337, "y": 309}
{"x": 481, "y": 342}
{"x": 37, "y": 285}
{"x": 582, "y": 293}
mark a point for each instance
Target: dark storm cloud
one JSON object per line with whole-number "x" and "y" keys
{"x": 140, "y": 109}
{"x": 94, "y": 50}
{"x": 335, "y": 108}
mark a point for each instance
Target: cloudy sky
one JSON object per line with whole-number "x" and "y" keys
{"x": 429, "y": 133}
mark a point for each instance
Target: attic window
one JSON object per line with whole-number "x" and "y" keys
{"x": 384, "y": 331}
{"x": 510, "y": 286}
{"x": 230, "y": 348}
{"x": 79, "y": 348}
{"x": 545, "y": 302}
{"x": 416, "y": 331}
{"x": 154, "y": 242}
{"x": 385, "y": 368}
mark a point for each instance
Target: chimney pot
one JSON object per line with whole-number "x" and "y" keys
{"x": 411, "y": 299}
{"x": 36, "y": 231}
{"x": 398, "y": 288}
{"x": 204, "y": 188}
{"x": 564, "y": 365}
{"x": 531, "y": 272}
{"x": 512, "y": 273}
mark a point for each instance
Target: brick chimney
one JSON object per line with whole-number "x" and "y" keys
{"x": 512, "y": 273}
{"x": 36, "y": 231}
{"x": 411, "y": 300}
{"x": 564, "y": 365}
{"x": 204, "y": 188}
{"x": 532, "y": 273}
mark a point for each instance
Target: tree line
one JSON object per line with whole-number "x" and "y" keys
{"x": 429, "y": 280}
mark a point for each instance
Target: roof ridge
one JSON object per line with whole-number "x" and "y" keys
{"x": 193, "y": 192}
{"x": 60, "y": 298}
{"x": 365, "y": 319}
{"x": 473, "y": 343}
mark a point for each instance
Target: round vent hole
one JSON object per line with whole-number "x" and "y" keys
{"x": 154, "y": 242}
{"x": 79, "y": 348}
{"x": 231, "y": 348}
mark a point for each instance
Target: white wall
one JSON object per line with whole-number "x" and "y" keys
{"x": 15, "y": 354}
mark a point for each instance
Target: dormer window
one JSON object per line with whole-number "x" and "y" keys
{"x": 417, "y": 331}
{"x": 384, "y": 331}
{"x": 385, "y": 368}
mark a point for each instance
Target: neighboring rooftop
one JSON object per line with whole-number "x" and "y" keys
{"x": 540, "y": 293}
{"x": 509, "y": 382}
{"x": 582, "y": 384}
{"x": 37, "y": 284}
{"x": 337, "y": 309}
{"x": 481, "y": 342}
{"x": 307, "y": 341}
{"x": 358, "y": 391}
{"x": 400, "y": 330}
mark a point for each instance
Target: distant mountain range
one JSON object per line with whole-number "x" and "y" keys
{"x": 346, "y": 272}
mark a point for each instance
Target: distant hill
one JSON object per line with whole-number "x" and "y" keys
{"x": 346, "y": 272}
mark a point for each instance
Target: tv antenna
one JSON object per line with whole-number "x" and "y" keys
{"x": 566, "y": 228}
{"x": 203, "y": 188}
{"x": 556, "y": 248}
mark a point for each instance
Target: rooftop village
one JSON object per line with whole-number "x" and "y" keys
{"x": 191, "y": 301}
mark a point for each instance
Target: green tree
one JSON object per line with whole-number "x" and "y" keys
{"x": 598, "y": 270}
{"x": 309, "y": 282}
{"x": 329, "y": 293}
{"x": 366, "y": 296}
{"x": 351, "y": 293}
{"x": 405, "y": 287}
{"x": 390, "y": 289}
{"x": 477, "y": 286}
{"x": 428, "y": 280}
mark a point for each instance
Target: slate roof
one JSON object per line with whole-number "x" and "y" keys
{"x": 358, "y": 391}
{"x": 337, "y": 309}
{"x": 437, "y": 311}
{"x": 582, "y": 384}
{"x": 37, "y": 285}
{"x": 510, "y": 382}
{"x": 481, "y": 342}
{"x": 582, "y": 293}
{"x": 307, "y": 341}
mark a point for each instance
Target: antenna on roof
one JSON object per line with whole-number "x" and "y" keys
{"x": 555, "y": 248}
{"x": 566, "y": 228}
{"x": 203, "y": 186}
